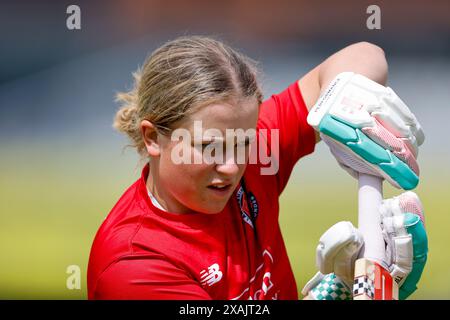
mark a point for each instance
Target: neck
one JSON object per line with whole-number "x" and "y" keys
{"x": 154, "y": 186}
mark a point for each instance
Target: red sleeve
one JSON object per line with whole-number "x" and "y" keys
{"x": 146, "y": 279}
{"x": 287, "y": 112}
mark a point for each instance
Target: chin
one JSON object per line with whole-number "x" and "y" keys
{"x": 214, "y": 209}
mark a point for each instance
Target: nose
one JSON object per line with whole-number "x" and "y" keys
{"x": 229, "y": 167}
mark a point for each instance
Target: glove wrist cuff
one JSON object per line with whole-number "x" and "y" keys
{"x": 331, "y": 287}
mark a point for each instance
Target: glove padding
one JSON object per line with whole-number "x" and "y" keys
{"x": 369, "y": 129}
{"x": 403, "y": 227}
{"x": 336, "y": 254}
{"x": 338, "y": 247}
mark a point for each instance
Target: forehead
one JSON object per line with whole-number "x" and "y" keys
{"x": 225, "y": 115}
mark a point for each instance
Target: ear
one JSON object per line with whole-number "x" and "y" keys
{"x": 150, "y": 137}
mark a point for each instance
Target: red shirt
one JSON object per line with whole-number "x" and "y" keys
{"x": 142, "y": 252}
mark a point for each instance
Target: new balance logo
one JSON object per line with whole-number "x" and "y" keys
{"x": 211, "y": 276}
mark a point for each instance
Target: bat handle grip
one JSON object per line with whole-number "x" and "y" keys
{"x": 370, "y": 195}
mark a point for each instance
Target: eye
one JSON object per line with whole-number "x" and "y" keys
{"x": 205, "y": 144}
{"x": 212, "y": 145}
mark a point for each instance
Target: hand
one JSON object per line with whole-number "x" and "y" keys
{"x": 336, "y": 254}
{"x": 369, "y": 129}
{"x": 403, "y": 227}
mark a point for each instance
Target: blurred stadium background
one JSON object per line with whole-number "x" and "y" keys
{"x": 63, "y": 167}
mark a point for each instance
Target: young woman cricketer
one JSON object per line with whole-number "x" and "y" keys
{"x": 209, "y": 229}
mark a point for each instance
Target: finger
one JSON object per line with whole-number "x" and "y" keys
{"x": 402, "y": 258}
{"x": 406, "y": 202}
{"x": 397, "y": 146}
{"x": 403, "y": 223}
{"x": 396, "y": 117}
{"x": 340, "y": 239}
{"x": 416, "y": 228}
{"x": 409, "y": 247}
{"x": 397, "y": 104}
{"x": 410, "y": 202}
{"x": 383, "y": 161}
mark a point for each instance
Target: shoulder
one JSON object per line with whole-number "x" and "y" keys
{"x": 113, "y": 239}
{"x": 290, "y": 97}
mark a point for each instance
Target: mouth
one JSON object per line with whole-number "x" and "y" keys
{"x": 220, "y": 189}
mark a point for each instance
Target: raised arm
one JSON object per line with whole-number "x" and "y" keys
{"x": 364, "y": 58}
{"x": 373, "y": 135}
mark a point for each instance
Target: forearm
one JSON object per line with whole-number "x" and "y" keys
{"x": 363, "y": 58}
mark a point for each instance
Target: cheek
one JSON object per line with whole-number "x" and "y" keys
{"x": 187, "y": 182}
{"x": 183, "y": 178}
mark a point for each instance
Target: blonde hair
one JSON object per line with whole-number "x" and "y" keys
{"x": 179, "y": 77}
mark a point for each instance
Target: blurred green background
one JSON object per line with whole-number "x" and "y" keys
{"x": 52, "y": 206}
{"x": 63, "y": 167}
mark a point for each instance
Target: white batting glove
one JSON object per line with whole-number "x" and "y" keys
{"x": 336, "y": 254}
{"x": 369, "y": 129}
{"x": 402, "y": 224}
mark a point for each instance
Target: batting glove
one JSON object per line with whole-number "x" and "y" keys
{"x": 403, "y": 227}
{"x": 369, "y": 129}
